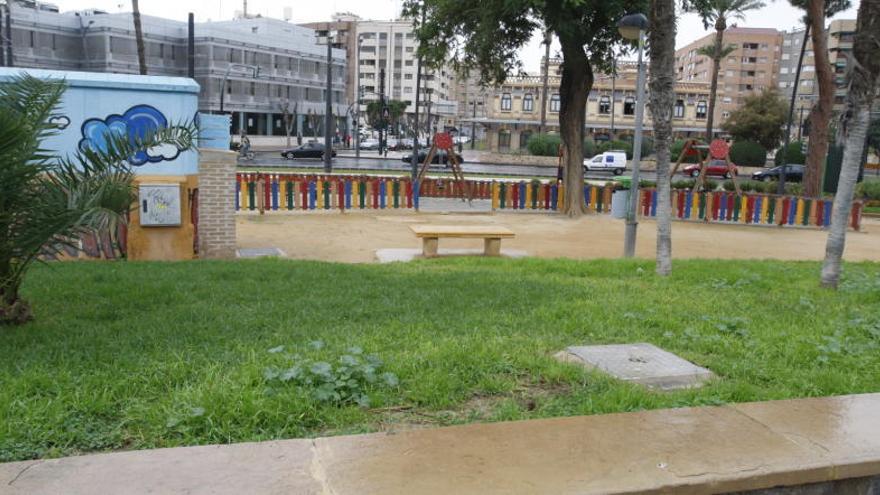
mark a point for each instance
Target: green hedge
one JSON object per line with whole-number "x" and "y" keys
{"x": 544, "y": 144}
{"x": 795, "y": 154}
{"x": 675, "y": 151}
{"x": 869, "y": 189}
{"x": 748, "y": 154}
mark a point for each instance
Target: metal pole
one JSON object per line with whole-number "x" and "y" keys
{"x": 613, "y": 90}
{"x": 800, "y": 123}
{"x": 328, "y": 110}
{"x": 9, "y": 59}
{"x": 545, "y": 88}
{"x": 223, "y": 87}
{"x": 191, "y": 47}
{"x": 382, "y": 123}
{"x": 780, "y": 188}
{"x": 357, "y": 124}
{"x": 474, "y": 125}
{"x": 3, "y": 42}
{"x": 629, "y": 246}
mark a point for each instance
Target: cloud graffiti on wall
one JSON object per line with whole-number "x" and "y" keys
{"x": 135, "y": 123}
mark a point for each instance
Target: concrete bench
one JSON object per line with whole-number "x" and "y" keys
{"x": 491, "y": 235}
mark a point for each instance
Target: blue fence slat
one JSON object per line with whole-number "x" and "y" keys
{"x": 313, "y": 195}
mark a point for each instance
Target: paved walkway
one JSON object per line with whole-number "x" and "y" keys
{"x": 693, "y": 450}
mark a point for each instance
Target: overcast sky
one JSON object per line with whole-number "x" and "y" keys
{"x": 778, "y": 14}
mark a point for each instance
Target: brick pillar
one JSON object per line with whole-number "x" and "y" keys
{"x": 216, "y": 203}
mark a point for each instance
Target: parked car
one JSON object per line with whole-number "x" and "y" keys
{"x": 793, "y": 173}
{"x": 439, "y": 157}
{"x": 614, "y": 161}
{"x": 370, "y": 144}
{"x": 311, "y": 149}
{"x": 717, "y": 168}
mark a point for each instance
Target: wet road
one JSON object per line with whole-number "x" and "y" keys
{"x": 395, "y": 165}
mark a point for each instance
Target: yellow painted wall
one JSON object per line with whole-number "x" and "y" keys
{"x": 164, "y": 243}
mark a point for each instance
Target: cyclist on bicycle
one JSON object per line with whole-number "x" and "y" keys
{"x": 245, "y": 149}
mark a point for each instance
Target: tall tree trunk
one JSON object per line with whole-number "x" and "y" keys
{"x": 720, "y": 26}
{"x": 863, "y": 87}
{"x": 139, "y": 36}
{"x": 820, "y": 116}
{"x": 577, "y": 80}
{"x": 662, "y": 97}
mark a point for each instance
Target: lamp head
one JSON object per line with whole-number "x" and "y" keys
{"x": 631, "y": 25}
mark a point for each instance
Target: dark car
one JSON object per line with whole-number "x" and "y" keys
{"x": 439, "y": 157}
{"x": 308, "y": 150}
{"x": 717, "y": 168}
{"x": 793, "y": 173}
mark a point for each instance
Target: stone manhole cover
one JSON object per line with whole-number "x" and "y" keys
{"x": 260, "y": 252}
{"x": 644, "y": 364}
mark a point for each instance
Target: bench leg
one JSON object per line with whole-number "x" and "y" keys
{"x": 492, "y": 247}
{"x": 429, "y": 247}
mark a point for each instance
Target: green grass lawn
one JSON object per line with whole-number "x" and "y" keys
{"x": 140, "y": 355}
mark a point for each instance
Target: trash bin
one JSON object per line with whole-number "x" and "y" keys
{"x": 619, "y": 201}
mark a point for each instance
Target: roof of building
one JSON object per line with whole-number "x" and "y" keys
{"x": 107, "y": 80}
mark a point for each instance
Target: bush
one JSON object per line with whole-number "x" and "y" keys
{"x": 747, "y": 186}
{"x": 590, "y": 148}
{"x": 795, "y": 154}
{"x": 794, "y": 188}
{"x": 868, "y": 190}
{"x": 748, "y": 154}
{"x": 675, "y": 151}
{"x": 544, "y": 144}
{"x": 728, "y": 186}
{"x": 647, "y": 184}
{"x": 683, "y": 184}
{"x": 711, "y": 185}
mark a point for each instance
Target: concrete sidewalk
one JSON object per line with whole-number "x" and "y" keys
{"x": 694, "y": 450}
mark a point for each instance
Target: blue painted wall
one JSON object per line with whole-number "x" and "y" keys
{"x": 97, "y": 103}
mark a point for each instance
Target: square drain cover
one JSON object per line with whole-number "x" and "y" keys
{"x": 644, "y": 364}
{"x": 260, "y": 252}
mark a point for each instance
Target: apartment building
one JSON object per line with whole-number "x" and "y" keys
{"x": 260, "y": 63}
{"x": 513, "y": 111}
{"x": 391, "y": 45}
{"x": 751, "y": 67}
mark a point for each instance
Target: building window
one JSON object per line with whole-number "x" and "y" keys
{"x": 528, "y": 103}
{"x": 678, "y": 109}
{"x": 629, "y": 106}
{"x": 554, "y": 103}
{"x": 701, "y": 109}
{"x": 506, "y": 102}
{"x": 504, "y": 140}
{"x": 524, "y": 139}
{"x": 605, "y": 104}
{"x": 725, "y": 114}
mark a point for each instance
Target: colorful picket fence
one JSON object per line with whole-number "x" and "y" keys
{"x": 278, "y": 192}
{"x": 750, "y": 208}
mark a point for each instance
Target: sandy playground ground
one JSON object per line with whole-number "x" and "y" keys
{"x": 354, "y": 237}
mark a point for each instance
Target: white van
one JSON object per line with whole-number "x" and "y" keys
{"x": 614, "y": 161}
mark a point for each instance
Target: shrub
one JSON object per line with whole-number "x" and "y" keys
{"x": 711, "y": 185}
{"x": 590, "y": 148}
{"x": 748, "y": 154}
{"x": 747, "y": 186}
{"x": 868, "y": 190}
{"x": 544, "y": 144}
{"x": 647, "y": 184}
{"x": 676, "y": 148}
{"x": 794, "y": 188}
{"x": 728, "y": 186}
{"x": 683, "y": 184}
{"x": 795, "y": 154}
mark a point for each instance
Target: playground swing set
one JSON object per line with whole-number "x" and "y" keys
{"x": 443, "y": 142}
{"x": 718, "y": 150}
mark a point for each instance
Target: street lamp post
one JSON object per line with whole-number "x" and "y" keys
{"x": 633, "y": 27}
{"x": 254, "y": 68}
{"x": 328, "y": 109}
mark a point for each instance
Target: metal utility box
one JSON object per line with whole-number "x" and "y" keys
{"x": 159, "y": 204}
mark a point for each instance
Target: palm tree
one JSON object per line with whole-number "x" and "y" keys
{"x": 716, "y": 13}
{"x": 47, "y": 201}
{"x": 862, "y": 91}
{"x": 139, "y": 36}
{"x": 662, "y": 96}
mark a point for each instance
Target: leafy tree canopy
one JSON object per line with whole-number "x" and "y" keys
{"x": 832, "y": 7}
{"x": 759, "y": 119}
{"x": 396, "y": 108}
{"x": 485, "y": 35}
{"x": 715, "y": 13}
